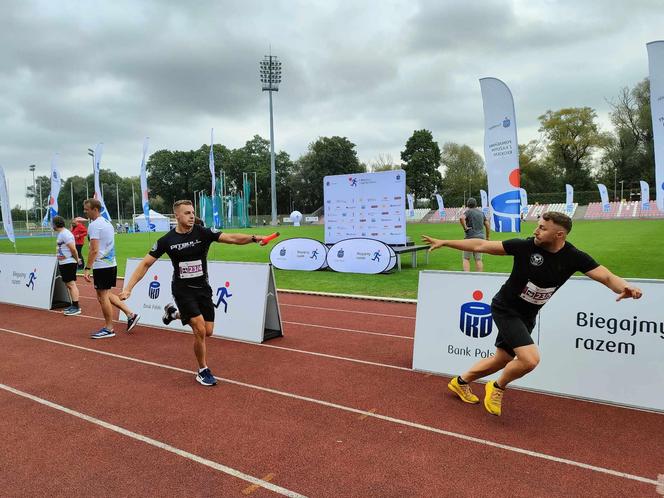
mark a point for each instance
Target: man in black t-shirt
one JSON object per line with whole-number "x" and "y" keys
{"x": 542, "y": 264}
{"x": 187, "y": 245}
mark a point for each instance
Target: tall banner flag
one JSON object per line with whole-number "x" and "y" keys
{"x": 645, "y": 196}
{"x": 99, "y": 149}
{"x": 523, "y": 199}
{"x": 52, "y": 209}
{"x": 604, "y": 196}
{"x": 411, "y": 205}
{"x": 501, "y": 154}
{"x": 441, "y": 205}
{"x": 6, "y": 208}
{"x": 656, "y": 67}
{"x": 215, "y": 206}
{"x": 144, "y": 185}
{"x": 569, "y": 198}
{"x": 485, "y": 203}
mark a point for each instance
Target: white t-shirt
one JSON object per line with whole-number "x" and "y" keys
{"x": 63, "y": 253}
{"x": 102, "y": 230}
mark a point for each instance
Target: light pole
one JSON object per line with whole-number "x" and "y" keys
{"x": 195, "y": 210}
{"x": 32, "y": 168}
{"x": 270, "y": 78}
{"x": 622, "y": 182}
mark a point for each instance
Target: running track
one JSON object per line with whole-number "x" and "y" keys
{"x": 330, "y": 409}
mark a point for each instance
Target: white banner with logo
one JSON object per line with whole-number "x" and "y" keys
{"x": 591, "y": 346}
{"x": 145, "y": 200}
{"x": 569, "y": 198}
{"x": 604, "y": 197}
{"x": 441, "y": 205}
{"x": 28, "y": 280}
{"x": 5, "y": 206}
{"x": 411, "y": 205}
{"x": 485, "y": 203}
{"x": 52, "y": 209}
{"x": 244, "y": 296}
{"x": 656, "y": 69}
{"x": 645, "y": 196}
{"x": 299, "y": 254}
{"x": 99, "y": 149}
{"x": 501, "y": 155}
{"x": 523, "y": 197}
{"x": 361, "y": 256}
{"x": 365, "y": 205}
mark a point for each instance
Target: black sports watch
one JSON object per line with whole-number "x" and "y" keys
{"x": 254, "y": 239}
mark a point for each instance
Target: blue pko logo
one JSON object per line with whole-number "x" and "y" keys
{"x": 506, "y": 122}
{"x": 398, "y": 177}
{"x": 153, "y": 291}
{"x": 282, "y": 252}
{"x": 340, "y": 253}
{"x": 475, "y": 317}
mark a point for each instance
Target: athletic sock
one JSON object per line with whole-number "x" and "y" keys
{"x": 74, "y": 304}
{"x": 201, "y": 369}
{"x": 460, "y": 380}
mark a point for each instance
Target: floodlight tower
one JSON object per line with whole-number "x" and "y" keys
{"x": 270, "y": 71}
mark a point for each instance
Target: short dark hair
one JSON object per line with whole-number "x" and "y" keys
{"x": 560, "y": 219}
{"x": 471, "y": 202}
{"x": 182, "y": 202}
{"x": 93, "y": 204}
{"x": 58, "y": 222}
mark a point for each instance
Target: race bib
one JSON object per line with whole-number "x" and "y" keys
{"x": 536, "y": 295}
{"x": 191, "y": 269}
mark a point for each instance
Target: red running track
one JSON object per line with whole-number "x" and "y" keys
{"x": 331, "y": 409}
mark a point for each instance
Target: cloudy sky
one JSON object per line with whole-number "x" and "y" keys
{"x": 76, "y": 73}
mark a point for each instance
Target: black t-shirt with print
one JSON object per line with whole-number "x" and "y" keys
{"x": 188, "y": 253}
{"x": 537, "y": 274}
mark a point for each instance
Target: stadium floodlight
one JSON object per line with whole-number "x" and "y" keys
{"x": 270, "y": 73}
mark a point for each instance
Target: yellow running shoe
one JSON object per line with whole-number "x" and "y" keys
{"x": 493, "y": 398}
{"x": 463, "y": 391}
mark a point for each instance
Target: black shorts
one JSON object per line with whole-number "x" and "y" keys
{"x": 193, "y": 301}
{"x": 105, "y": 277}
{"x": 513, "y": 328}
{"x": 68, "y": 272}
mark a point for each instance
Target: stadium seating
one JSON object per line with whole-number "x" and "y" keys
{"x": 621, "y": 210}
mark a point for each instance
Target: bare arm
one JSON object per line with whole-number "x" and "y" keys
{"x": 74, "y": 252}
{"x": 92, "y": 257}
{"x": 471, "y": 245}
{"x": 138, "y": 274}
{"x": 462, "y": 220}
{"x": 618, "y": 285}
{"x": 238, "y": 238}
{"x": 487, "y": 228}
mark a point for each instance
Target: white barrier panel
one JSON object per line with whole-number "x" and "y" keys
{"x": 31, "y": 280}
{"x": 299, "y": 254}
{"x": 591, "y": 346}
{"x": 244, "y": 296}
{"x": 360, "y": 256}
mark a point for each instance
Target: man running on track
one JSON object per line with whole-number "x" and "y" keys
{"x": 542, "y": 264}
{"x": 187, "y": 245}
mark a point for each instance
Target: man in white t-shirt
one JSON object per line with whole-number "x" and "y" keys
{"x": 68, "y": 258}
{"x": 104, "y": 269}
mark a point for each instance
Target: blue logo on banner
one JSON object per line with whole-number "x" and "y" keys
{"x": 153, "y": 291}
{"x": 475, "y": 318}
{"x": 340, "y": 253}
{"x": 398, "y": 177}
{"x": 506, "y": 122}
{"x": 353, "y": 181}
{"x": 376, "y": 256}
{"x": 282, "y": 252}
{"x": 222, "y": 294}
{"x": 32, "y": 276}
{"x": 506, "y": 210}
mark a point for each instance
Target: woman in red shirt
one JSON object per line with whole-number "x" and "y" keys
{"x": 80, "y": 232}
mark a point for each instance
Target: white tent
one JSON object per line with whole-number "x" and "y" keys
{"x": 158, "y": 222}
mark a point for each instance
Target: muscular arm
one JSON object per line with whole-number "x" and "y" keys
{"x": 138, "y": 274}
{"x": 487, "y": 228}
{"x": 93, "y": 252}
{"x": 238, "y": 238}
{"x": 618, "y": 285}
{"x": 471, "y": 245}
{"x": 74, "y": 252}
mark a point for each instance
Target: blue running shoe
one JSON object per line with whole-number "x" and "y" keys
{"x": 206, "y": 378}
{"x": 72, "y": 310}
{"x": 133, "y": 321}
{"x": 103, "y": 333}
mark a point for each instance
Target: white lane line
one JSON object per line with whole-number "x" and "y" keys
{"x": 407, "y": 423}
{"x": 347, "y": 311}
{"x": 350, "y": 330}
{"x": 158, "y": 444}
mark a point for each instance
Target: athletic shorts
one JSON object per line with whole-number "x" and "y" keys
{"x": 105, "y": 278}
{"x": 476, "y": 255}
{"x": 513, "y": 328}
{"x": 193, "y": 301}
{"x": 68, "y": 272}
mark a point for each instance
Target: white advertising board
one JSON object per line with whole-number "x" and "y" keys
{"x": 361, "y": 256}
{"x": 31, "y": 280}
{"x": 591, "y": 347}
{"x": 243, "y": 294}
{"x": 367, "y": 205}
{"x": 299, "y": 254}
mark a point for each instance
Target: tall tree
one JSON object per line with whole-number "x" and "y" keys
{"x": 536, "y": 176}
{"x": 422, "y": 159}
{"x": 464, "y": 173}
{"x": 571, "y": 137}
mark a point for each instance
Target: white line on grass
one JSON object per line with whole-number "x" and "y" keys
{"x": 407, "y": 423}
{"x": 158, "y": 444}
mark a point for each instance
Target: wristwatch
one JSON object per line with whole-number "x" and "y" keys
{"x": 254, "y": 239}
{"x": 87, "y": 268}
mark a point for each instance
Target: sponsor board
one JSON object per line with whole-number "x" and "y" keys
{"x": 299, "y": 254}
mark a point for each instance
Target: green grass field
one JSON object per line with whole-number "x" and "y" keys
{"x": 630, "y": 248}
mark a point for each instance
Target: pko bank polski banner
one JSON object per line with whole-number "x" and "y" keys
{"x": 367, "y": 205}
{"x": 299, "y": 254}
{"x": 656, "y": 69}
{"x": 591, "y": 346}
{"x": 501, "y": 155}
{"x": 243, "y": 294}
{"x": 361, "y": 256}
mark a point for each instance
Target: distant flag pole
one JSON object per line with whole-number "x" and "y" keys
{"x": 52, "y": 209}
{"x": 6, "y": 209}
{"x": 144, "y": 185}
{"x": 215, "y": 206}
{"x": 99, "y": 148}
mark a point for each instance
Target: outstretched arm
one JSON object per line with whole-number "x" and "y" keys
{"x": 618, "y": 285}
{"x": 470, "y": 245}
{"x": 138, "y": 274}
{"x": 238, "y": 238}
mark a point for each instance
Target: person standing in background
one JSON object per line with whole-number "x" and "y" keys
{"x": 475, "y": 226}
{"x": 80, "y": 233}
